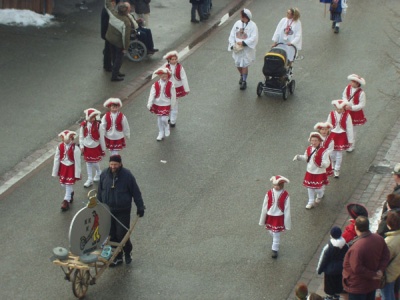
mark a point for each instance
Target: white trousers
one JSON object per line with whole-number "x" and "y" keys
{"x": 174, "y": 113}
{"x": 336, "y": 157}
{"x": 89, "y": 168}
{"x": 162, "y": 122}
{"x": 276, "y": 238}
{"x": 69, "y": 188}
{"x": 312, "y": 192}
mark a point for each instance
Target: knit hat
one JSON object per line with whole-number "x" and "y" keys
{"x": 315, "y": 134}
{"x": 67, "y": 134}
{"x": 112, "y": 101}
{"x": 340, "y": 103}
{"x": 278, "y": 179}
{"x": 301, "y": 291}
{"x": 396, "y": 169}
{"x": 320, "y": 125}
{"x": 355, "y": 210}
{"x": 393, "y": 200}
{"x": 116, "y": 158}
{"x": 91, "y": 112}
{"x": 356, "y": 78}
{"x": 336, "y": 232}
{"x": 170, "y": 55}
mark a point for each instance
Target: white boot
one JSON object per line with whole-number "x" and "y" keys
{"x": 167, "y": 131}
{"x": 97, "y": 176}
{"x": 88, "y": 183}
{"x": 160, "y": 136}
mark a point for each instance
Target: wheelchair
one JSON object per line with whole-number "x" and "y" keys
{"x": 137, "y": 50}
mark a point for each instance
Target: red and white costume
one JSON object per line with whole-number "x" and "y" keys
{"x": 116, "y": 127}
{"x": 356, "y": 98}
{"x": 342, "y": 131}
{"x": 91, "y": 138}
{"x": 327, "y": 143}
{"x": 162, "y": 97}
{"x": 177, "y": 76}
{"x": 275, "y": 212}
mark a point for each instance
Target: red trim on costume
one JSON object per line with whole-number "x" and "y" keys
{"x": 167, "y": 90}
{"x": 342, "y": 121}
{"x": 69, "y": 154}
{"x": 281, "y": 200}
{"x": 94, "y": 130}
{"x": 118, "y": 121}
{"x": 358, "y": 116}
{"x": 178, "y": 69}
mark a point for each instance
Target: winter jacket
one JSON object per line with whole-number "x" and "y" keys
{"x": 349, "y": 232}
{"x": 117, "y": 191}
{"x": 119, "y": 28}
{"x": 368, "y": 255}
{"x": 393, "y": 242}
{"x": 382, "y": 227}
{"x": 142, "y": 6}
{"x": 332, "y": 256}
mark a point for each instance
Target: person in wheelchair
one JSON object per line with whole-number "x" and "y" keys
{"x": 143, "y": 34}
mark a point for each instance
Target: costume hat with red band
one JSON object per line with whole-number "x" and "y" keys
{"x": 356, "y": 78}
{"x": 278, "y": 179}
{"x": 320, "y": 125}
{"x": 317, "y": 135}
{"x": 171, "y": 54}
{"x": 340, "y": 103}
{"x": 161, "y": 71}
{"x": 113, "y": 101}
{"x": 91, "y": 112}
{"x": 67, "y": 134}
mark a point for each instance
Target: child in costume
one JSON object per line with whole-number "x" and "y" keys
{"x": 179, "y": 79}
{"x": 354, "y": 94}
{"x": 275, "y": 213}
{"x": 331, "y": 264}
{"x": 91, "y": 141}
{"x": 161, "y": 99}
{"x": 67, "y": 165}
{"x": 342, "y": 132}
{"x": 317, "y": 158}
{"x": 115, "y": 126}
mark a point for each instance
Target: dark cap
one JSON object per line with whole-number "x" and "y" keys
{"x": 116, "y": 158}
{"x": 336, "y": 232}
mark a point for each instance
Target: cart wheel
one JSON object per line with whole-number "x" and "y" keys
{"x": 260, "y": 88}
{"x": 285, "y": 93}
{"x": 292, "y": 86}
{"x": 137, "y": 51}
{"x": 80, "y": 283}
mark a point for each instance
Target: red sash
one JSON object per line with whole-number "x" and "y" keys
{"x": 94, "y": 130}
{"x": 167, "y": 90}
{"x": 281, "y": 200}
{"x": 118, "y": 121}
{"x": 342, "y": 121}
{"x": 70, "y": 152}
{"x": 177, "y": 70}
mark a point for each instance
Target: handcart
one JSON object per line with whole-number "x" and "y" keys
{"x": 88, "y": 257}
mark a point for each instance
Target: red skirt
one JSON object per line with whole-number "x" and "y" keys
{"x": 315, "y": 181}
{"x": 93, "y": 154}
{"x": 341, "y": 141}
{"x": 329, "y": 169}
{"x": 67, "y": 174}
{"x": 115, "y": 144}
{"x": 180, "y": 92}
{"x": 275, "y": 223}
{"x": 160, "y": 110}
{"x": 358, "y": 117}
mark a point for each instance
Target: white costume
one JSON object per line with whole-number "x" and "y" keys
{"x": 248, "y": 33}
{"x": 294, "y": 36}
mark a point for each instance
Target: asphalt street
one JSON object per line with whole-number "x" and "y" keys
{"x": 200, "y": 237}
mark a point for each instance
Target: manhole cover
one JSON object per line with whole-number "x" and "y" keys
{"x": 380, "y": 169}
{"x": 299, "y": 57}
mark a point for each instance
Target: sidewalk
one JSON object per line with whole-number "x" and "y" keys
{"x": 371, "y": 191}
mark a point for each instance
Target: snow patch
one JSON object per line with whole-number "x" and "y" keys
{"x": 24, "y": 17}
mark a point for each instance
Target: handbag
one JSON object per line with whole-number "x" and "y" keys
{"x": 237, "y": 48}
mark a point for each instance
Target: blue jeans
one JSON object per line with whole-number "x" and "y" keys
{"x": 388, "y": 291}
{"x": 197, "y": 7}
{"x": 369, "y": 296}
{"x": 206, "y": 7}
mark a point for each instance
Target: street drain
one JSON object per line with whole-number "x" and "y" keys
{"x": 380, "y": 169}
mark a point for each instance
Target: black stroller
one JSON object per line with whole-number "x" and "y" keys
{"x": 278, "y": 73}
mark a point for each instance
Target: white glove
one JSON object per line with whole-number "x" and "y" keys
{"x": 149, "y": 105}
{"x": 296, "y": 157}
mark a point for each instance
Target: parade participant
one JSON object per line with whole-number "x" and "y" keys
{"x": 324, "y": 128}
{"x": 243, "y": 40}
{"x": 331, "y": 264}
{"x": 67, "y": 165}
{"x": 356, "y": 98}
{"x": 317, "y": 159}
{"x": 179, "y": 79}
{"x": 162, "y": 97}
{"x": 337, "y": 8}
{"x": 91, "y": 141}
{"x": 354, "y": 210}
{"x": 275, "y": 213}
{"x": 115, "y": 126}
{"x": 117, "y": 187}
{"x": 289, "y": 32}
{"x": 342, "y": 132}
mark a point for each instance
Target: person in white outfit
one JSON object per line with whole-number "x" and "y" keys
{"x": 161, "y": 99}
{"x": 275, "y": 212}
{"x": 243, "y": 40}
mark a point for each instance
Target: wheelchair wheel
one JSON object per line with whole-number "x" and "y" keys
{"x": 260, "y": 88}
{"x": 137, "y": 51}
{"x": 292, "y": 86}
{"x": 285, "y": 93}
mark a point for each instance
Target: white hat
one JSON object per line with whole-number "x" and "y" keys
{"x": 396, "y": 169}
{"x": 340, "y": 103}
{"x": 278, "y": 179}
{"x": 161, "y": 71}
{"x": 171, "y": 54}
{"x": 320, "y": 125}
{"x": 315, "y": 134}
{"x": 111, "y": 101}
{"x": 356, "y": 78}
{"x": 247, "y": 13}
{"x": 66, "y": 134}
{"x": 91, "y": 112}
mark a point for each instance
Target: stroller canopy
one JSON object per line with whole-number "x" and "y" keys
{"x": 275, "y": 62}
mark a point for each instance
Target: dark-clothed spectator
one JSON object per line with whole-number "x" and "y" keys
{"x": 107, "y": 59}
{"x": 117, "y": 187}
{"x": 196, "y": 6}
{"x": 392, "y": 203}
{"x": 142, "y": 10}
{"x": 364, "y": 262}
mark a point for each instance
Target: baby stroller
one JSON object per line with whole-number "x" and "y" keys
{"x": 278, "y": 72}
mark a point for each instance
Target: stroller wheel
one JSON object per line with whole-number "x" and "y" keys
{"x": 260, "y": 88}
{"x": 292, "y": 86}
{"x": 285, "y": 92}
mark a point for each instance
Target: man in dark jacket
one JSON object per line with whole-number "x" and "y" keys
{"x": 117, "y": 187}
{"x": 107, "y": 60}
{"x": 142, "y": 10}
{"x": 365, "y": 262}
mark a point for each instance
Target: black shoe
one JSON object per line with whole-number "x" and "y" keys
{"x": 241, "y": 80}
{"x": 333, "y": 25}
{"x": 121, "y": 75}
{"x": 116, "y": 262}
{"x": 172, "y": 125}
{"x": 336, "y": 30}
{"x": 128, "y": 258}
{"x": 154, "y": 50}
{"x": 274, "y": 254}
{"x": 243, "y": 85}
{"x": 195, "y": 21}
{"x": 72, "y": 197}
{"x": 117, "y": 79}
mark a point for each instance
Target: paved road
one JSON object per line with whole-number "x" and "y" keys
{"x": 199, "y": 238}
